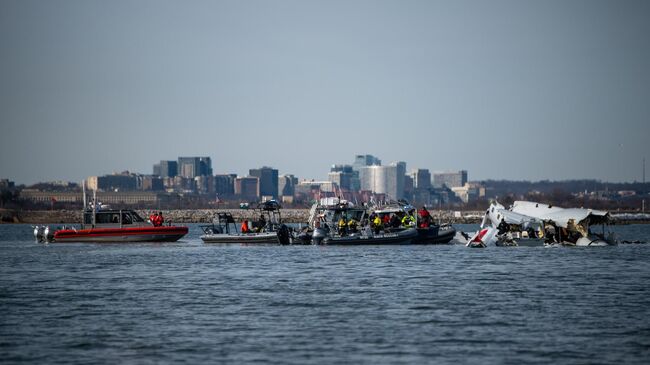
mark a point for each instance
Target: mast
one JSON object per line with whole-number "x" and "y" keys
{"x": 85, "y": 206}
{"x": 94, "y": 207}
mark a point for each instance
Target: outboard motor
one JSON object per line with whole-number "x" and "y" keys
{"x": 318, "y": 236}
{"x": 38, "y": 233}
{"x": 48, "y": 234}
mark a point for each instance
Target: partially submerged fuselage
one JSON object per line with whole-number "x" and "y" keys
{"x": 535, "y": 224}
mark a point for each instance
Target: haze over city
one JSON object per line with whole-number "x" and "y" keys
{"x": 503, "y": 89}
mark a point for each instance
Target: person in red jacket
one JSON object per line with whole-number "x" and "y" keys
{"x": 385, "y": 219}
{"x": 152, "y": 219}
{"x": 425, "y": 217}
{"x": 161, "y": 220}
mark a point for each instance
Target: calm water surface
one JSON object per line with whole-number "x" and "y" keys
{"x": 190, "y": 302}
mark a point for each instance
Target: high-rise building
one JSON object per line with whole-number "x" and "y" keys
{"x": 450, "y": 179}
{"x": 287, "y": 185}
{"x": 205, "y": 166}
{"x": 247, "y": 188}
{"x": 204, "y": 184}
{"x": 387, "y": 180}
{"x": 224, "y": 184}
{"x": 168, "y": 168}
{"x": 116, "y": 182}
{"x": 192, "y": 167}
{"x": 408, "y": 187}
{"x": 365, "y": 160}
{"x": 345, "y": 177}
{"x": 421, "y": 179}
{"x": 268, "y": 177}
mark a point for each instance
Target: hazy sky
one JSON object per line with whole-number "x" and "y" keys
{"x": 504, "y": 89}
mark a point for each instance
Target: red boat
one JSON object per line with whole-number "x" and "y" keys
{"x": 118, "y": 226}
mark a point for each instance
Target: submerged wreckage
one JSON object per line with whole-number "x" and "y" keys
{"x": 531, "y": 224}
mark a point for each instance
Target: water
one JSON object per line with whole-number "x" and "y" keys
{"x": 190, "y": 302}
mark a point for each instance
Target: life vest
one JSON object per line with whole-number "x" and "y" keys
{"x": 406, "y": 221}
{"x": 244, "y": 227}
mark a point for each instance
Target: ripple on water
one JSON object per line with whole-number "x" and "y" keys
{"x": 189, "y": 302}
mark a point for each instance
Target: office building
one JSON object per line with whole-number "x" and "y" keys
{"x": 247, "y": 188}
{"x": 421, "y": 179}
{"x": 191, "y": 167}
{"x": 149, "y": 183}
{"x": 168, "y": 168}
{"x": 204, "y": 184}
{"x": 388, "y": 180}
{"x": 345, "y": 177}
{"x": 450, "y": 179}
{"x": 268, "y": 178}
{"x": 287, "y": 185}
{"x": 224, "y": 184}
{"x": 365, "y": 160}
{"x": 117, "y": 182}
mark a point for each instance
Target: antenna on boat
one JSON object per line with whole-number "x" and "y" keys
{"x": 94, "y": 207}
{"x": 85, "y": 206}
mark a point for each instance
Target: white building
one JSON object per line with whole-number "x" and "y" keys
{"x": 387, "y": 180}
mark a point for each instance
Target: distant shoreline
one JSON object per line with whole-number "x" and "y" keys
{"x": 206, "y": 215}
{"x": 192, "y": 216}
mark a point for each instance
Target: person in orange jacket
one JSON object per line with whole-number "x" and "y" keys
{"x": 244, "y": 227}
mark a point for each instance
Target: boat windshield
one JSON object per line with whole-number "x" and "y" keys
{"x": 136, "y": 217}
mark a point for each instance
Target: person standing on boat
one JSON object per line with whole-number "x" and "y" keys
{"x": 425, "y": 217}
{"x": 161, "y": 220}
{"x": 152, "y": 218}
{"x": 261, "y": 224}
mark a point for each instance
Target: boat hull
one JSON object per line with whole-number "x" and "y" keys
{"x": 394, "y": 238}
{"x": 435, "y": 235}
{"x": 252, "y": 238}
{"x": 122, "y": 235}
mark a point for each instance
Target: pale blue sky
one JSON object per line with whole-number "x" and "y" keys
{"x": 505, "y": 89}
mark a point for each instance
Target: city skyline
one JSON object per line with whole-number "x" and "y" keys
{"x": 506, "y": 89}
{"x": 324, "y": 176}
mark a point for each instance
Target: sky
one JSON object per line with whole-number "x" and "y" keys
{"x": 504, "y": 89}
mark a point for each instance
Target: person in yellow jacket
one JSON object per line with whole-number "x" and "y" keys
{"x": 377, "y": 223}
{"x": 352, "y": 225}
{"x": 407, "y": 220}
{"x": 342, "y": 225}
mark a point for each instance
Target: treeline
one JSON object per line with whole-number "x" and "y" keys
{"x": 504, "y": 187}
{"x": 566, "y": 194}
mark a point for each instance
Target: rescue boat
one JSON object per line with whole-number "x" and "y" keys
{"x": 102, "y": 224}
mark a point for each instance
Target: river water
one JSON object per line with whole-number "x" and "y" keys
{"x": 187, "y": 302}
